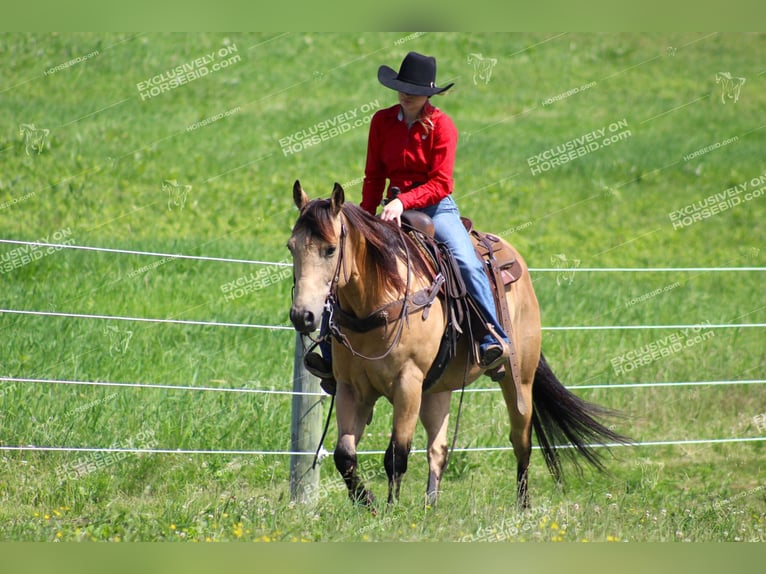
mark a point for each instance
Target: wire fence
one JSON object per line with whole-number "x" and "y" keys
{"x": 258, "y": 391}
{"x": 283, "y": 264}
{"x": 195, "y": 388}
{"x": 32, "y": 448}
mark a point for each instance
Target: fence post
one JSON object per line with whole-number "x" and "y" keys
{"x": 305, "y": 432}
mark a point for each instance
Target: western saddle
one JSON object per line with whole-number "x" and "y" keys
{"x": 502, "y": 268}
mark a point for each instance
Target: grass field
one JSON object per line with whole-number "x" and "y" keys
{"x": 96, "y": 149}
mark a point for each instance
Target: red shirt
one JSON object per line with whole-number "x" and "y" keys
{"x": 416, "y": 160}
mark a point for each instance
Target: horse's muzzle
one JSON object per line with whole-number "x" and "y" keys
{"x": 303, "y": 320}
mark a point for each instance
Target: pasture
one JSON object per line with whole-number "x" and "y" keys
{"x": 586, "y": 151}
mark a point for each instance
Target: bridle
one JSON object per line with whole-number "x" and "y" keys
{"x": 332, "y": 305}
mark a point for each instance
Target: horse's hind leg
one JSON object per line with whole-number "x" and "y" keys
{"x": 434, "y": 414}
{"x": 352, "y": 417}
{"x": 521, "y": 433}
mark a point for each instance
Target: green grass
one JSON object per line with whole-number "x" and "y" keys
{"x": 99, "y": 177}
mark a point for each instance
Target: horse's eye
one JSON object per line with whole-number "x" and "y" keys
{"x": 330, "y": 251}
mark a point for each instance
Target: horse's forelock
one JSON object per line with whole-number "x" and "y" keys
{"x": 317, "y": 220}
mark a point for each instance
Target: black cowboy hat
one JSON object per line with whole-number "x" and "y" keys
{"x": 416, "y": 76}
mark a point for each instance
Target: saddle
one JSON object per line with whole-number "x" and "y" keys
{"x": 502, "y": 268}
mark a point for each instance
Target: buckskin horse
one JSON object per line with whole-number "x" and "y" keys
{"x": 372, "y": 268}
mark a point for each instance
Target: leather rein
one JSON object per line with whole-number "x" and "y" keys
{"x": 394, "y": 311}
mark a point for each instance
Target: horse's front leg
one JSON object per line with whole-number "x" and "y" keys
{"x": 352, "y": 416}
{"x": 434, "y": 414}
{"x": 406, "y": 399}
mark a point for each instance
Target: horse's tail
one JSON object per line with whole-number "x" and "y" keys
{"x": 561, "y": 419}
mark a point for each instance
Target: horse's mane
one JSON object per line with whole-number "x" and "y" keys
{"x": 383, "y": 243}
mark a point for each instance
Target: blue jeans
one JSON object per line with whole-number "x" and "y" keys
{"x": 448, "y": 228}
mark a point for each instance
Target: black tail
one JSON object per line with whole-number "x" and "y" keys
{"x": 563, "y": 419}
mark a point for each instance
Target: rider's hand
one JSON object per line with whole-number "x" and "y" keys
{"x": 393, "y": 212}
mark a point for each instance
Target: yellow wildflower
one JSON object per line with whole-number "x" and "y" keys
{"x": 238, "y": 530}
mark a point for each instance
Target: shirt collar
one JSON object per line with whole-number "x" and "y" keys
{"x": 428, "y": 109}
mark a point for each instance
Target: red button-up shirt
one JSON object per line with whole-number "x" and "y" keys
{"x": 417, "y": 160}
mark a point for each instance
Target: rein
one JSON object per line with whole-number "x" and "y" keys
{"x": 338, "y": 317}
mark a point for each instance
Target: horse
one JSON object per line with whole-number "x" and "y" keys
{"x": 371, "y": 267}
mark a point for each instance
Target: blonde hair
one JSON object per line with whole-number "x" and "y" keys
{"x": 424, "y": 119}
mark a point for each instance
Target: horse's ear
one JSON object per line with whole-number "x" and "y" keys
{"x": 299, "y": 196}
{"x": 337, "y": 198}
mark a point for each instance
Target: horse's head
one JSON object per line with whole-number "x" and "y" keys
{"x": 315, "y": 247}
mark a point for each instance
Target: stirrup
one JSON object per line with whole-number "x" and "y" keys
{"x": 494, "y": 355}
